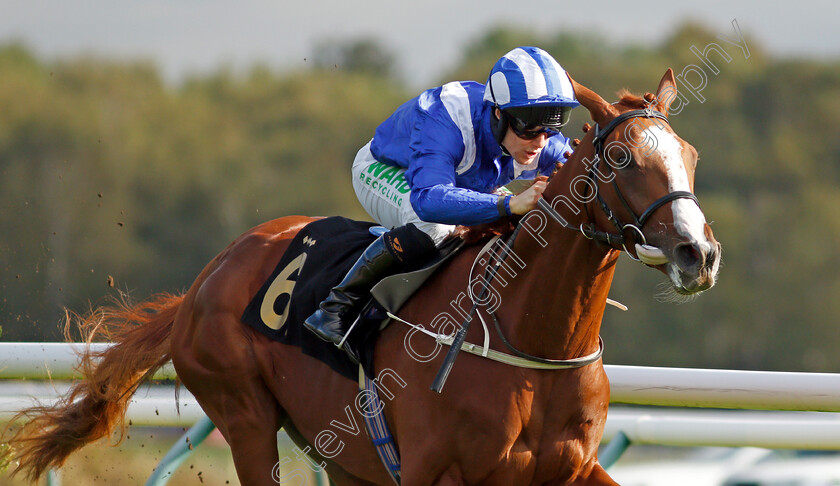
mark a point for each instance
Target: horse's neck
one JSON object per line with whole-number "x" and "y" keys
{"x": 558, "y": 300}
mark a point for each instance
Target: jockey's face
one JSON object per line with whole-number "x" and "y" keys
{"x": 524, "y": 150}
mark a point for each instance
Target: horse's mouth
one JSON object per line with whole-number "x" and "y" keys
{"x": 690, "y": 283}
{"x": 689, "y": 275}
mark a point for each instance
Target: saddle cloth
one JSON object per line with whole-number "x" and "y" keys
{"x": 317, "y": 259}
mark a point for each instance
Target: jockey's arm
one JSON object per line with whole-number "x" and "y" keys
{"x": 447, "y": 204}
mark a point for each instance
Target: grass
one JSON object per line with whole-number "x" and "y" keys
{"x": 132, "y": 461}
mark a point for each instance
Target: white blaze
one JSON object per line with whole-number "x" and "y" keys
{"x": 689, "y": 220}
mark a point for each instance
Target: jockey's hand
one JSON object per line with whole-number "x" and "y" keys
{"x": 527, "y": 199}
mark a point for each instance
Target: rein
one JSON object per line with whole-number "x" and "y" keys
{"x": 518, "y": 358}
{"x": 614, "y": 240}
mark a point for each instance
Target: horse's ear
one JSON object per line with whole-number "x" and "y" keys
{"x": 666, "y": 92}
{"x": 601, "y": 111}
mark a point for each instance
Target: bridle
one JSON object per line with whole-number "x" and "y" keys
{"x": 614, "y": 240}
{"x": 617, "y": 240}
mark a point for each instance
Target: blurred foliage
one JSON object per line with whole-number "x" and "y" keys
{"x": 364, "y": 55}
{"x": 106, "y": 171}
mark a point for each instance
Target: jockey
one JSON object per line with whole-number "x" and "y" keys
{"x": 439, "y": 161}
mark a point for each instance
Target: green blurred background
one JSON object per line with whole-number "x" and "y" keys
{"x": 107, "y": 169}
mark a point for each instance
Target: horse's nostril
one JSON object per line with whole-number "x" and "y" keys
{"x": 687, "y": 256}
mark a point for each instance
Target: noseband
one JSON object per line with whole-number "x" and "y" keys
{"x": 618, "y": 241}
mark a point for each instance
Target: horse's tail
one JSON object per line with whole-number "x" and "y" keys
{"x": 96, "y": 404}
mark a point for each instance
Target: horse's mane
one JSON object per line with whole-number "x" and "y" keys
{"x": 478, "y": 233}
{"x": 634, "y": 101}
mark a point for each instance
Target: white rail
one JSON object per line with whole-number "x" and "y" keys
{"x": 681, "y": 387}
{"x": 56, "y": 361}
{"x": 678, "y": 387}
{"x": 727, "y": 428}
{"x": 757, "y": 390}
{"x": 150, "y": 406}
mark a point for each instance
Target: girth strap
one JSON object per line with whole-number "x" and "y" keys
{"x": 377, "y": 427}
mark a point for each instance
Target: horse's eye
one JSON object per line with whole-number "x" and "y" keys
{"x": 622, "y": 160}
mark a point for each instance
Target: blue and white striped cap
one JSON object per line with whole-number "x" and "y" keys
{"x": 529, "y": 76}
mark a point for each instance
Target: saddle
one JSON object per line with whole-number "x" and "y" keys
{"x": 317, "y": 259}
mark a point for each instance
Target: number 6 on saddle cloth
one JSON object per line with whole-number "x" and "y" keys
{"x": 315, "y": 261}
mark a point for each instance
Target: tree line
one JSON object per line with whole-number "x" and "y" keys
{"x": 113, "y": 181}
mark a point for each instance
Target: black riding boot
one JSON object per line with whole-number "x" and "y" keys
{"x": 386, "y": 256}
{"x": 330, "y": 321}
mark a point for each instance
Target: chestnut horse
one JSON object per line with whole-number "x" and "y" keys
{"x": 493, "y": 423}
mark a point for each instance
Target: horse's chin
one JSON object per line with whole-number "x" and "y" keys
{"x": 669, "y": 293}
{"x": 683, "y": 287}
{"x": 680, "y": 288}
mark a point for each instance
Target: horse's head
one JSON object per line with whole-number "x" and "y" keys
{"x": 644, "y": 175}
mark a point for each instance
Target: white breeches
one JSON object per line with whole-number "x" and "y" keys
{"x": 383, "y": 192}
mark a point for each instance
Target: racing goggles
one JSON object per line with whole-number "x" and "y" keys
{"x": 527, "y": 131}
{"x": 530, "y": 122}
